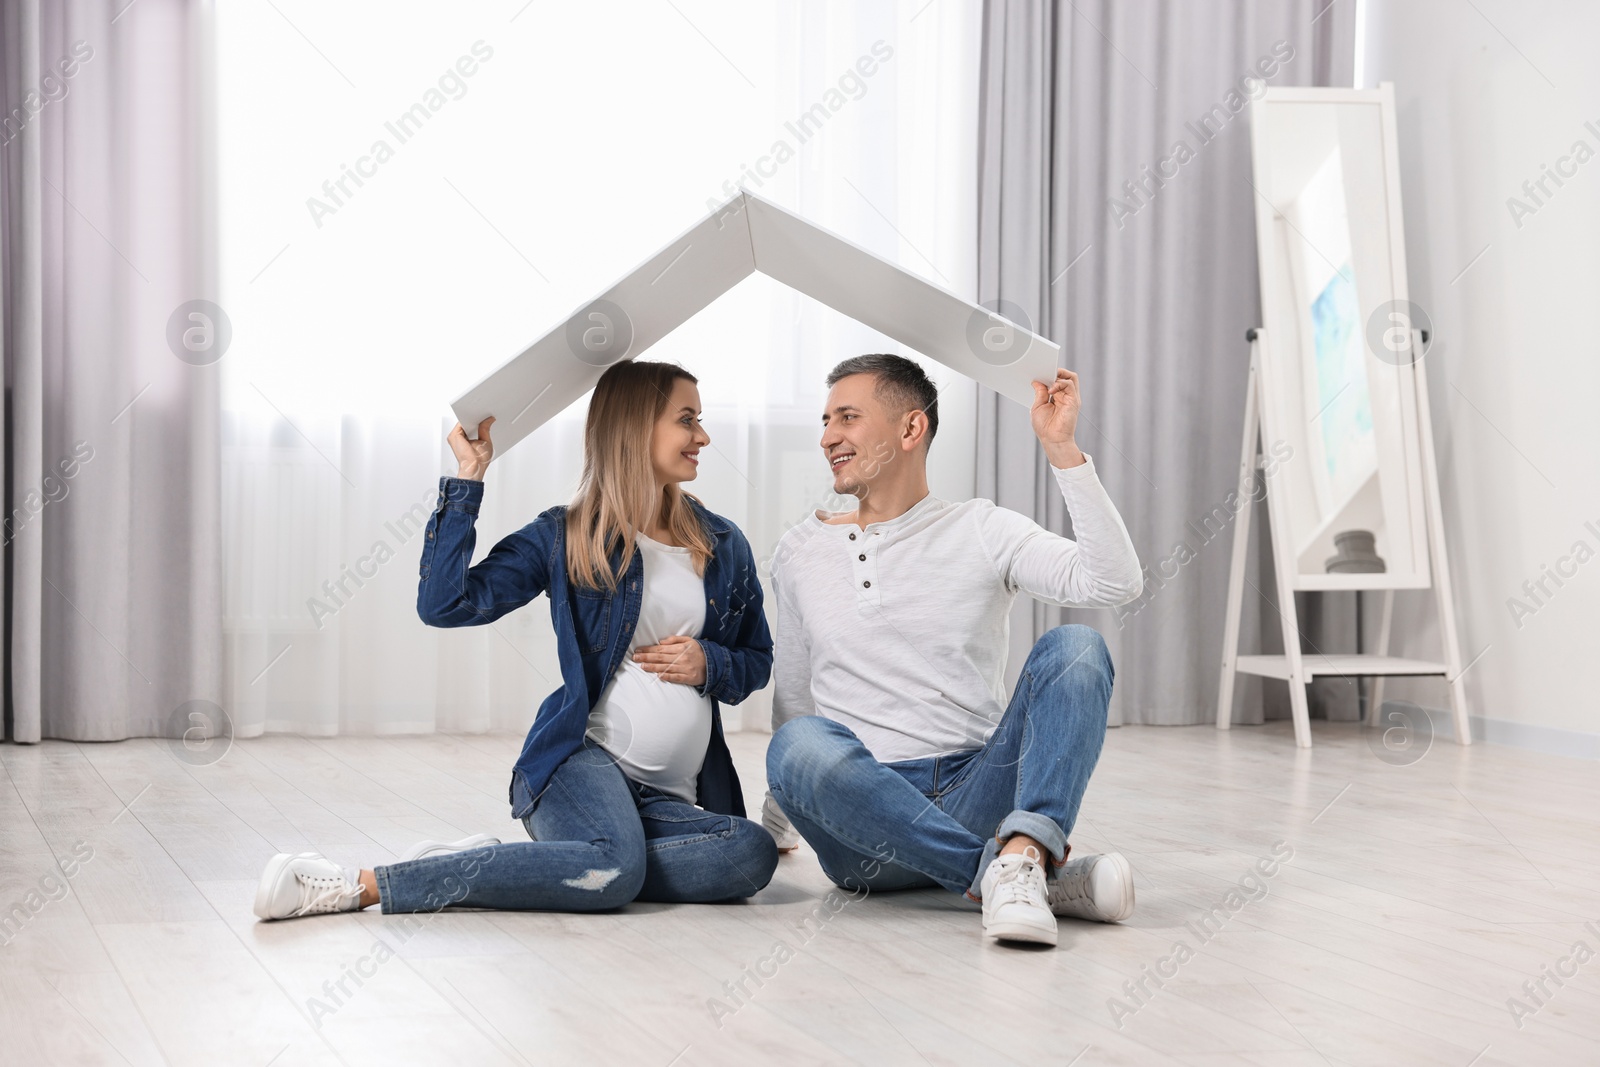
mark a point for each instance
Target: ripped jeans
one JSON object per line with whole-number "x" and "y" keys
{"x": 600, "y": 840}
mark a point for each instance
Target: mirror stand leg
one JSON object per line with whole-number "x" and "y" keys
{"x": 1300, "y": 708}
{"x": 1443, "y": 591}
{"x": 1458, "y": 708}
{"x": 1385, "y": 617}
{"x": 1241, "y": 544}
{"x": 1299, "y": 675}
{"x": 1361, "y": 679}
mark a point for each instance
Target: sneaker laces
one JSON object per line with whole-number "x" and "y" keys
{"x": 320, "y": 893}
{"x": 1023, "y": 881}
{"x": 1073, "y": 888}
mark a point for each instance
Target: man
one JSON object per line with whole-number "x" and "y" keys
{"x": 895, "y": 753}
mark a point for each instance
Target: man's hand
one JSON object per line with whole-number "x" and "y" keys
{"x": 1055, "y": 418}
{"x": 676, "y": 659}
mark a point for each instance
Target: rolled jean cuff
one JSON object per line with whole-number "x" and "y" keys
{"x": 1041, "y": 828}
{"x": 385, "y": 897}
{"x": 400, "y": 896}
{"x": 388, "y": 899}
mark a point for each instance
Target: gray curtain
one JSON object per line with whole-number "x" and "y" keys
{"x": 112, "y": 575}
{"x": 1147, "y": 279}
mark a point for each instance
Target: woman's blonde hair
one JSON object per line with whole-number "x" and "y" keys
{"x": 617, "y": 496}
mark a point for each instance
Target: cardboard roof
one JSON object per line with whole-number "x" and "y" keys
{"x": 744, "y": 235}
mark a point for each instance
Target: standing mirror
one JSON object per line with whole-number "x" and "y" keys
{"x": 1337, "y": 398}
{"x": 1337, "y": 386}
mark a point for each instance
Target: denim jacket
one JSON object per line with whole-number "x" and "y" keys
{"x": 594, "y": 628}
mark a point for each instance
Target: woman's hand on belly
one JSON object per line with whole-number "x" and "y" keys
{"x": 676, "y": 659}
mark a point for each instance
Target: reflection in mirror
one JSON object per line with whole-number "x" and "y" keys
{"x": 1326, "y": 263}
{"x": 1344, "y": 452}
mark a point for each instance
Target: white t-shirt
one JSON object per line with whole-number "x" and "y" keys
{"x": 658, "y": 731}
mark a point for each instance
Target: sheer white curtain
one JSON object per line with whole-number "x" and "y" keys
{"x": 508, "y": 163}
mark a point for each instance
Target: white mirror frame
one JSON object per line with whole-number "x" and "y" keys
{"x": 1277, "y": 305}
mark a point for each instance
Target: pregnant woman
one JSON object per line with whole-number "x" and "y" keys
{"x": 624, "y": 784}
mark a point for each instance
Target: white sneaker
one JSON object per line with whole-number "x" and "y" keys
{"x": 777, "y": 824}
{"x": 304, "y": 884}
{"x": 1015, "y": 907}
{"x": 424, "y": 849}
{"x": 1095, "y": 887}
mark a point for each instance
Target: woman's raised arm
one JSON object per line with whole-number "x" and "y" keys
{"x": 450, "y": 592}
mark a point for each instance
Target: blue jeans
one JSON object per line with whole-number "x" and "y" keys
{"x": 600, "y": 840}
{"x": 942, "y": 819}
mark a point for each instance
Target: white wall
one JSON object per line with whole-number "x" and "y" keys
{"x": 1515, "y": 377}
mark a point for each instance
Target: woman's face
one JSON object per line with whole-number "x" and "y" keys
{"x": 675, "y": 447}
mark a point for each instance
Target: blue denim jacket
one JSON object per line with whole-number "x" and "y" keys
{"x": 594, "y": 628}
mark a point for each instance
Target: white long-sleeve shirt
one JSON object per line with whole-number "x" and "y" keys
{"x": 899, "y": 630}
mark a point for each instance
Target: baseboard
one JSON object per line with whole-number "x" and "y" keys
{"x": 1548, "y": 739}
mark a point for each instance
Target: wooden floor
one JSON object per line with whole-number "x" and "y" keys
{"x": 1417, "y": 901}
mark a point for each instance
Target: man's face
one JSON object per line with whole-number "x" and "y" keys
{"x": 859, "y": 435}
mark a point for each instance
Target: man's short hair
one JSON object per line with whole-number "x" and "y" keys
{"x": 901, "y": 383}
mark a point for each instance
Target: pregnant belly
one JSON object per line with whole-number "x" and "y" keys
{"x": 655, "y": 727}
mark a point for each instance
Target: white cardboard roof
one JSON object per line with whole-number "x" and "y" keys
{"x": 743, "y": 235}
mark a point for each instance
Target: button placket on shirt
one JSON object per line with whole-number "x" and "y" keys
{"x": 864, "y": 567}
